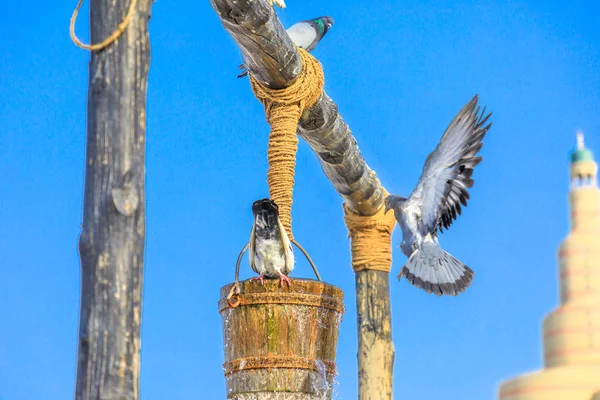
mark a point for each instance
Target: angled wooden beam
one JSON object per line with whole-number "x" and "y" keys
{"x": 111, "y": 244}
{"x": 272, "y": 59}
{"x": 332, "y": 141}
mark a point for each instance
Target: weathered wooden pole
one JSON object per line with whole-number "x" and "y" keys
{"x": 111, "y": 244}
{"x": 332, "y": 141}
{"x": 273, "y": 60}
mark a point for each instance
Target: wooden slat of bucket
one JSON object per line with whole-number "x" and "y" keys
{"x": 281, "y": 343}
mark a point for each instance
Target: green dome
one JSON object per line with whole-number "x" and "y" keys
{"x": 582, "y": 155}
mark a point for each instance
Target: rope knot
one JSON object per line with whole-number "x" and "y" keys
{"x": 370, "y": 242}
{"x": 283, "y": 108}
{"x": 304, "y": 92}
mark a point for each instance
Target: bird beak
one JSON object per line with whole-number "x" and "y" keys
{"x": 387, "y": 209}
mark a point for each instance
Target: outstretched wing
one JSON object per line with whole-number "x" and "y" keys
{"x": 446, "y": 175}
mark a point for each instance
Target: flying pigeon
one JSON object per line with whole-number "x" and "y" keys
{"x": 270, "y": 253}
{"x": 305, "y": 34}
{"x": 435, "y": 203}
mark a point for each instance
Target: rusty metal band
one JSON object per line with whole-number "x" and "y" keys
{"x": 303, "y": 299}
{"x": 268, "y": 362}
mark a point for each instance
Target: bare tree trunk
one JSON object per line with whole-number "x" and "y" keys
{"x": 272, "y": 59}
{"x": 111, "y": 244}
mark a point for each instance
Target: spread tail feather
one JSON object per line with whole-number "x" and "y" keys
{"x": 432, "y": 269}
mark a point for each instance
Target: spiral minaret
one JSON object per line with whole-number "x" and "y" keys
{"x": 571, "y": 333}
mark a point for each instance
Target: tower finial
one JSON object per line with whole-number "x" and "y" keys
{"x": 580, "y": 144}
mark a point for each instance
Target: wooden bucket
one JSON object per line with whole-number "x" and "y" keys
{"x": 280, "y": 342}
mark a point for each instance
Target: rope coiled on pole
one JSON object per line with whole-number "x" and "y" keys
{"x": 283, "y": 108}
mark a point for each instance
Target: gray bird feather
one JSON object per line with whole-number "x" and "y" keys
{"x": 435, "y": 203}
{"x": 305, "y": 34}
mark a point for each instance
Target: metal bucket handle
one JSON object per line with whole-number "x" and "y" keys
{"x": 235, "y": 289}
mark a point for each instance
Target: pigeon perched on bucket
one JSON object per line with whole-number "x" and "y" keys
{"x": 270, "y": 249}
{"x": 305, "y": 34}
{"x": 435, "y": 202}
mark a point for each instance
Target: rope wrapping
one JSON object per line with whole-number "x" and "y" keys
{"x": 283, "y": 108}
{"x": 370, "y": 239}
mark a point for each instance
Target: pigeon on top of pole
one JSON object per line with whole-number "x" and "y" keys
{"x": 270, "y": 250}
{"x": 305, "y": 34}
{"x": 435, "y": 203}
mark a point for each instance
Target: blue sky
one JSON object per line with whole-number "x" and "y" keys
{"x": 399, "y": 72}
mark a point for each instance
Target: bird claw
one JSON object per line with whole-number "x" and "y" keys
{"x": 401, "y": 273}
{"x": 283, "y": 278}
{"x": 260, "y": 278}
